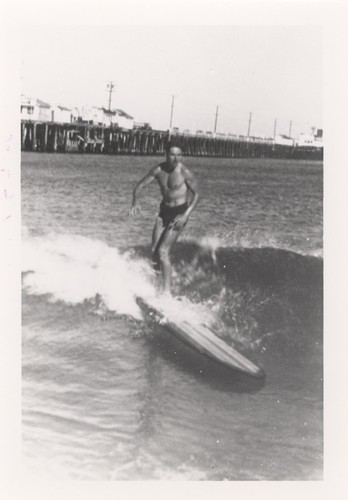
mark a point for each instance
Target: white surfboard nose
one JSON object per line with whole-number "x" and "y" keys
{"x": 203, "y": 339}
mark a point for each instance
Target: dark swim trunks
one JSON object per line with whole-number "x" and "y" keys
{"x": 169, "y": 214}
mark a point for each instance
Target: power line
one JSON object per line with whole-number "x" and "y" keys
{"x": 249, "y": 124}
{"x": 110, "y": 86}
{"x": 171, "y": 113}
{"x": 216, "y": 117}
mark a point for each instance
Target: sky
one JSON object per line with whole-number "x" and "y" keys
{"x": 272, "y": 72}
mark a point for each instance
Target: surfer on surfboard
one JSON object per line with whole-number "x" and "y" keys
{"x": 179, "y": 197}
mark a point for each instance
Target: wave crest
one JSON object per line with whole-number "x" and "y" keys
{"x": 251, "y": 296}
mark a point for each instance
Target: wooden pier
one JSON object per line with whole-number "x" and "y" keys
{"x": 88, "y": 138}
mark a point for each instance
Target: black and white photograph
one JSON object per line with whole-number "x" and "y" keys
{"x": 171, "y": 242}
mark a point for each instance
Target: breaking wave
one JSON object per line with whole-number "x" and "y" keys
{"x": 251, "y": 296}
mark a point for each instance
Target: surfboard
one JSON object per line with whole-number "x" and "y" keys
{"x": 203, "y": 339}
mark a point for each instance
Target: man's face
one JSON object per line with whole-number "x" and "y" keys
{"x": 174, "y": 156}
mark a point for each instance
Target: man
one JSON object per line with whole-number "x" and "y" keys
{"x": 175, "y": 182}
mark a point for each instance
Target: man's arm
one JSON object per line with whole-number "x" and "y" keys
{"x": 145, "y": 181}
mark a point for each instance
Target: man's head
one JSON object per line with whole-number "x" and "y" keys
{"x": 173, "y": 143}
{"x": 174, "y": 153}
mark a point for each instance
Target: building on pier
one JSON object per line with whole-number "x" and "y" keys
{"x": 284, "y": 140}
{"x": 105, "y": 117}
{"x": 61, "y": 114}
{"x": 34, "y": 109}
{"x": 313, "y": 140}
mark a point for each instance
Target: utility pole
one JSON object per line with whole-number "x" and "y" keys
{"x": 275, "y": 128}
{"x": 110, "y": 87}
{"x": 171, "y": 113}
{"x": 290, "y": 126}
{"x": 249, "y": 125}
{"x": 216, "y": 117}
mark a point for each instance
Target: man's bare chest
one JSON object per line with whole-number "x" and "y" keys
{"x": 171, "y": 181}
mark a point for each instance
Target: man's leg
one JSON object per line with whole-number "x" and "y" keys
{"x": 167, "y": 240}
{"x": 156, "y": 236}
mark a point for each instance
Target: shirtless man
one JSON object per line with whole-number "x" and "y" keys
{"x": 175, "y": 182}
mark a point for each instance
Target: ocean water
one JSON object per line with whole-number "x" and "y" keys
{"x": 108, "y": 395}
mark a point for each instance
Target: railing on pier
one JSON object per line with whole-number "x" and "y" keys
{"x": 86, "y": 138}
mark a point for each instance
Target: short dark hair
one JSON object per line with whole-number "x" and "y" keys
{"x": 173, "y": 143}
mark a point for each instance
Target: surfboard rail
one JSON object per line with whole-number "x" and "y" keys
{"x": 203, "y": 339}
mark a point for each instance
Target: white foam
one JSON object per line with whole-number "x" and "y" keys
{"x": 182, "y": 309}
{"x": 255, "y": 239}
{"x": 74, "y": 268}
